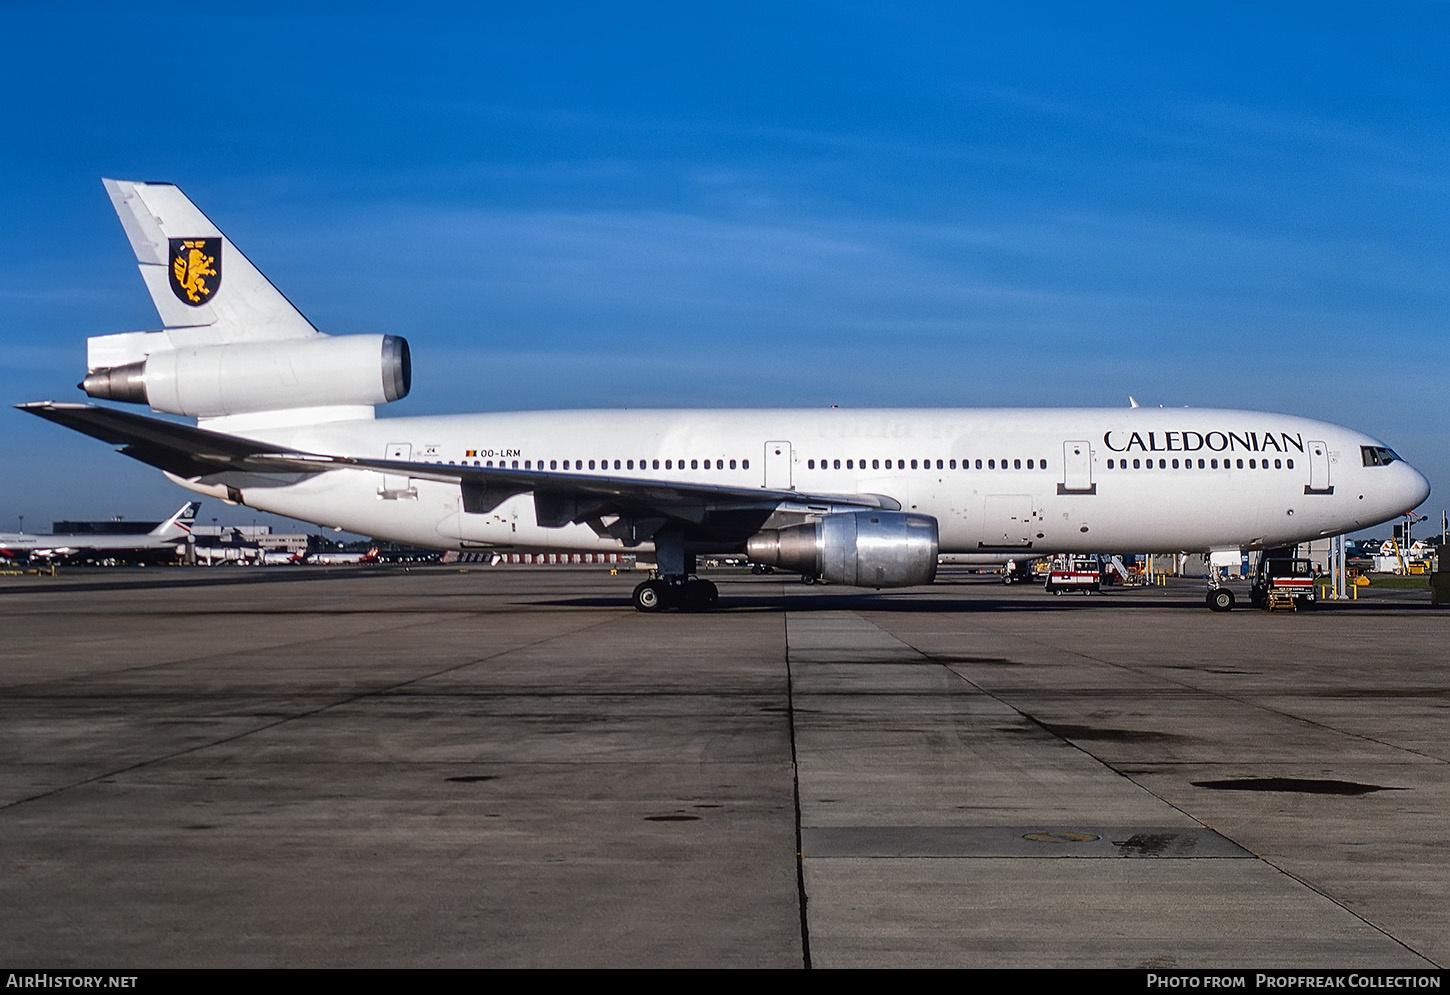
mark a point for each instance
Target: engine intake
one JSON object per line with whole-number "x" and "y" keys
{"x": 861, "y": 548}
{"x": 244, "y": 377}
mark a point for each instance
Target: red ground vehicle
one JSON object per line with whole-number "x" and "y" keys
{"x": 1283, "y": 581}
{"x": 1075, "y": 573}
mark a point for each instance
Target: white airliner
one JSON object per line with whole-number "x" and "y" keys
{"x": 868, "y": 498}
{"x": 270, "y": 557}
{"x": 339, "y": 558}
{"x": 168, "y": 535}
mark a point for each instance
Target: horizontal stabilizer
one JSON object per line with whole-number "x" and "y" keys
{"x": 179, "y": 449}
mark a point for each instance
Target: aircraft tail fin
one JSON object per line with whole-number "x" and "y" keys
{"x": 232, "y": 347}
{"x": 179, "y": 524}
{"x": 205, "y": 290}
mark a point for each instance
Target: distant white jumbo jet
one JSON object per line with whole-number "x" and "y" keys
{"x": 168, "y": 534}
{"x": 868, "y": 498}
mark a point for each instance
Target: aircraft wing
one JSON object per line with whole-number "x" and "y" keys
{"x": 559, "y": 498}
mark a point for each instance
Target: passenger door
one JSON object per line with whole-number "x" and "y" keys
{"x": 1077, "y": 469}
{"x": 397, "y": 486}
{"x": 778, "y": 466}
{"x": 1318, "y": 470}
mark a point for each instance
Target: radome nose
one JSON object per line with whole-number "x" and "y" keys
{"x": 1415, "y": 488}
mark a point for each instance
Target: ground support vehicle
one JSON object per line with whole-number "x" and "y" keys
{"x": 1075, "y": 573}
{"x": 1283, "y": 582}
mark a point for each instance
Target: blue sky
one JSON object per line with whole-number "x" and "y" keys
{"x": 578, "y": 205}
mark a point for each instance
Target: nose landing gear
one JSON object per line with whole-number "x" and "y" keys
{"x": 1219, "y": 599}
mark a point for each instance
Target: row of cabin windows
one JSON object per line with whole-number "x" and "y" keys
{"x": 1210, "y": 464}
{"x": 878, "y": 464}
{"x": 604, "y": 464}
{"x": 926, "y": 464}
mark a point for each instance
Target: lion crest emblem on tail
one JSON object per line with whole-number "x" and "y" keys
{"x": 196, "y": 269}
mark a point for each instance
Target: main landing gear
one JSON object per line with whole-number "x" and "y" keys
{"x": 673, "y": 586}
{"x": 690, "y": 594}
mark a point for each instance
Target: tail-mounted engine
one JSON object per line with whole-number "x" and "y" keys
{"x": 863, "y": 548}
{"x": 209, "y": 381}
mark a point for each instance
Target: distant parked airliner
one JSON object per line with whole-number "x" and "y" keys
{"x": 168, "y": 535}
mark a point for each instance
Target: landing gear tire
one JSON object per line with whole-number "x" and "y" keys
{"x": 649, "y": 596}
{"x": 1221, "y": 599}
{"x": 691, "y": 595}
{"x": 699, "y": 595}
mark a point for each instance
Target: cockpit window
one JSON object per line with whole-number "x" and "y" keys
{"x": 1378, "y": 455}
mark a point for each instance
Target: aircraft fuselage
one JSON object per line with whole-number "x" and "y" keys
{"x": 996, "y": 480}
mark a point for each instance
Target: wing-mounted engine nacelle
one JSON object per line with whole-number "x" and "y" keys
{"x": 861, "y": 548}
{"x": 243, "y": 377}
